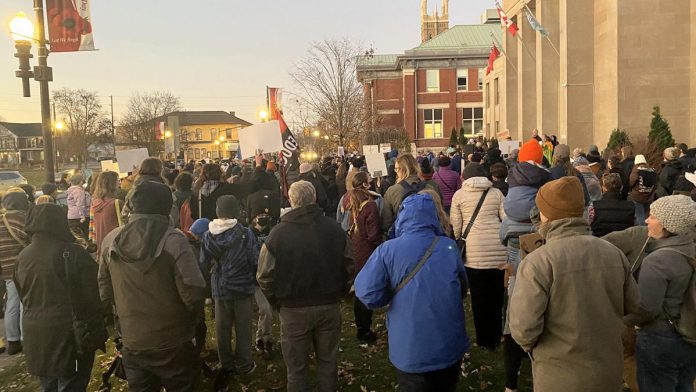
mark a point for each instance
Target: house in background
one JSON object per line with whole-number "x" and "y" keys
{"x": 20, "y": 143}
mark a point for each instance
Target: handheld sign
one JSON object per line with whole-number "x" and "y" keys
{"x": 376, "y": 164}
{"x": 264, "y": 137}
{"x": 130, "y": 160}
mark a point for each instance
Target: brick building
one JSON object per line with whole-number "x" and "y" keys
{"x": 433, "y": 88}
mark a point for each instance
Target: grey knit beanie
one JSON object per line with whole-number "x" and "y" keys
{"x": 677, "y": 213}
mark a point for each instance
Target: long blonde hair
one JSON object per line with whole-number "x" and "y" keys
{"x": 441, "y": 214}
{"x": 407, "y": 167}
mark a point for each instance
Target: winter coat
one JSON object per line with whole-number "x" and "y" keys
{"x": 612, "y": 214}
{"x": 105, "y": 218}
{"x": 366, "y": 233}
{"x": 456, "y": 164}
{"x": 567, "y": 307}
{"x": 483, "y": 247}
{"x": 431, "y": 301}
{"x": 313, "y": 178}
{"x": 306, "y": 261}
{"x": 591, "y": 181}
{"x": 210, "y": 195}
{"x": 234, "y": 253}
{"x": 502, "y": 186}
{"x": 642, "y": 183}
{"x": 393, "y": 198}
{"x": 149, "y": 272}
{"x": 16, "y": 205}
{"x": 40, "y": 278}
{"x": 671, "y": 170}
{"x": 78, "y": 202}
{"x": 630, "y": 242}
{"x": 524, "y": 181}
{"x": 449, "y": 182}
{"x": 180, "y": 197}
{"x": 263, "y": 202}
{"x": 663, "y": 280}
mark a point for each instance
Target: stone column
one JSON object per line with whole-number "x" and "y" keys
{"x": 547, "y": 67}
{"x": 526, "y": 77}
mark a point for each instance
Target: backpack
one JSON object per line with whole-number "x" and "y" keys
{"x": 686, "y": 325}
{"x": 647, "y": 180}
{"x": 185, "y": 220}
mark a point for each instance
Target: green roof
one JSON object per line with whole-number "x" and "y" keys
{"x": 377, "y": 60}
{"x": 464, "y": 36}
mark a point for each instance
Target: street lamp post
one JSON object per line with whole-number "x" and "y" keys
{"x": 23, "y": 34}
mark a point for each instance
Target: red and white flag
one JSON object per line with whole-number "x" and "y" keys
{"x": 491, "y": 58}
{"x": 505, "y": 20}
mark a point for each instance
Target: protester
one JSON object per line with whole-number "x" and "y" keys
{"x": 448, "y": 181}
{"x": 665, "y": 361}
{"x": 493, "y": 156}
{"x": 232, "y": 251}
{"x": 570, "y": 297}
{"x": 13, "y": 239}
{"x": 49, "y": 189}
{"x": 627, "y": 162}
{"x": 422, "y": 296}
{"x": 149, "y": 273}
{"x": 57, "y": 283}
{"x": 305, "y": 268}
{"x": 365, "y": 234}
{"x": 182, "y": 189}
{"x": 614, "y": 166}
{"x": 442, "y": 215}
{"x": 456, "y": 160}
{"x": 309, "y": 175}
{"x": 499, "y": 173}
{"x": 611, "y": 213}
{"x": 671, "y": 170}
{"x": 407, "y": 181}
{"x": 643, "y": 182}
{"x": 484, "y": 253}
{"x": 594, "y": 188}
{"x": 78, "y": 205}
{"x": 105, "y": 207}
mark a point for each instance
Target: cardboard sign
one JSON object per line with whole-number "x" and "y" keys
{"x": 506, "y": 146}
{"x": 370, "y": 149}
{"x": 109, "y": 166}
{"x": 385, "y": 148}
{"x": 265, "y": 137}
{"x": 376, "y": 164}
{"x": 341, "y": 152}
{"x": 130, "y": 160}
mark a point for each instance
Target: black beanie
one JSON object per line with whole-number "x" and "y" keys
{"x": 151, "y": 197}
{"x": 227, "y": 207}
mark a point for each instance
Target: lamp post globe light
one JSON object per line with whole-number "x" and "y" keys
{"x": 23, "y": 34}
{"x": 263, "y": 115}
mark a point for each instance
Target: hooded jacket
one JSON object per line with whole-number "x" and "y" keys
{"x": 234, "y": 253}
{"x": 367, "y": 230}
{"x": 41, "y": 281}
{"x": 395, "y": 195}
{"x": 567, "y": 307}
{"x": 524, "y": 181}
{"x": 78, "y": 202}
{"x": 671, "y": 170}
{"x": 16, "y": 205}
{"x": 425, "y": 319}
{"x": 148, "y": 271}
{"x": 483, "y": 248}
{"x": 306, "y": 260}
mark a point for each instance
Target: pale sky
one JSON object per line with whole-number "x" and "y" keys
{"x": 213, "y": 54}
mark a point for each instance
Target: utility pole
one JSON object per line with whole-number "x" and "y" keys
{"x": 113, "y": 128}
{"x": 44, "y": 74}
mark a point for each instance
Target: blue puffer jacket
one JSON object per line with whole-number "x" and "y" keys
{"x": 235, "y": 254}
{"x": 425, "y": 319}
{"x": 524, "y": 180}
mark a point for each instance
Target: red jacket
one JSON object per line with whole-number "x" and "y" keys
{"x": 368, "y": 234}
{"x": 105, "y": 219}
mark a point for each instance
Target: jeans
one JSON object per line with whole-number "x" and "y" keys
{"x": 302, "y": 329}
{"x": 264, "y": 330}
{"x": 174, "y": 368}
{"x": 234, "y": 314}
{"x": 665, "y": 362}
{"x": 13, "y": 314}
{"x": 641, "y": 213}
{"x": 443, "y": 380}
{"x": 77, "y": 383}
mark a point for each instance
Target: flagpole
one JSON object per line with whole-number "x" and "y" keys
{"x": 529, "y": 52}
{"x": 545, "y": 36}
{"x": 507, "y": 59}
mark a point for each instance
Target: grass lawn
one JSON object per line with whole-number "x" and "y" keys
{"x": 361, "y": 367}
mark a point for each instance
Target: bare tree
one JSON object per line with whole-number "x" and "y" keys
{"x": 138, "y": 125}
{"x": 328, "y": 86}
{"x": 85, "y": 121}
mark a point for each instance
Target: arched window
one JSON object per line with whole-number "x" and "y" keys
{"x": 199, "y": 134}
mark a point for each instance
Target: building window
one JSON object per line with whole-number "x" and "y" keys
{"x": 480, "y": 78}
{"x": 487, "y": 95}
{"x": 432, "y": 123}
{"x": 213, "y": 134}
{"x": 199, "y": 134}
{"x": 497, "y": 127}
{"x": 183, "y": 135}
{"x": 228, "y": 133}
{"x": 204, "y": 153}
{"x": 496, "y": 91}
{"x": 462, "y": 77}
{"x": 189, "y": 153}
{"x": 472, "y": 120}
{"x": 197, "y": 153}
{"x": 432, "y": 80}
{"x": 214, "y": 154}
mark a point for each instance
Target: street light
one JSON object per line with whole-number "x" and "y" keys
{"x": 263, "y": 115}
{"x": 167, "y": 134}
{"x": 60, "y": 125}
{"x": 22, "y": 30}
{"x": 316, "y": 134}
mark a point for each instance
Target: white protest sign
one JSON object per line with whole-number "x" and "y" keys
{"x": 109, "y": 166}
{"x": 376, "y": 164}
{"x": 129, "y": 160}
{"x": 385, "y": 148}
{"x": 370, "y": 149}
{"x": 341, "y": 152}
{"x": 506, "y": 146}
{"x": 265, "y": 137}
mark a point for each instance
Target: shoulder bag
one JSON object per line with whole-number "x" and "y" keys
{"x": 462, "y": 240}
{"x": 418, "y": 266}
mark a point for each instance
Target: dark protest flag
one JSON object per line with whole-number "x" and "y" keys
{"x": 289, "y": 156}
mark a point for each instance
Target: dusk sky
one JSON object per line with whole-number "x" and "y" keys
{"x": 213, "y": 54}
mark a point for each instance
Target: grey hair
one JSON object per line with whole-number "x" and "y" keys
{"x": 302, "y": 193}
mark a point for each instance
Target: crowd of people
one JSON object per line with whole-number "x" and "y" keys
{"x": 581, "y": 261}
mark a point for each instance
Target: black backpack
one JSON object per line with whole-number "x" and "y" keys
{"x": 647, "y": 180}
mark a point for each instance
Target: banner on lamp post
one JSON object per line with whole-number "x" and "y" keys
{"x": 69, "y": 25}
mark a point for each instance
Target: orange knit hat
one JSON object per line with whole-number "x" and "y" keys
{"x": 531, "y": 151}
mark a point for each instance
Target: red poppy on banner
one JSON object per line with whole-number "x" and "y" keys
{"x": 491, "y": 58}
{"x": 69, "y": 25}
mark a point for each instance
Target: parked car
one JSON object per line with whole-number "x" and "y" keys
{"x": 86, "y": 174}
{"x": 8, "y": 179}
{"x": 99, "y": 159}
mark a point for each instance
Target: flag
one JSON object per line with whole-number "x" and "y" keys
{"x": 274, "y": 101}
{"x": 289, "y": 156}
{"x": 491, "y": 58}
{"x": 506, "y": 22}
{"x": 69, "y": 25}
{"x": 536, "y": 25}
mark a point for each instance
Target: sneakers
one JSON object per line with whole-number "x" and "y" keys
{"x": 14, "y": 348}
{"x": 367, "y": 336}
